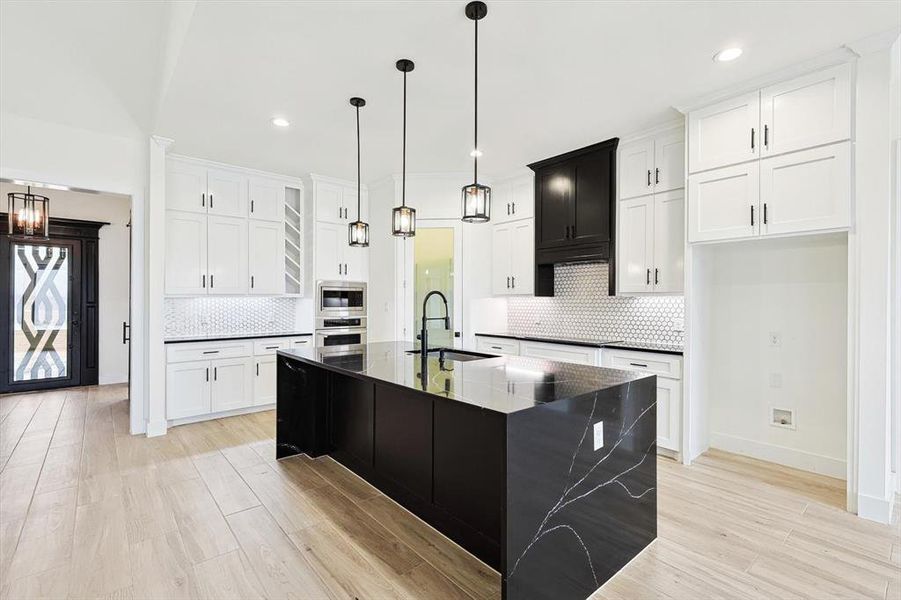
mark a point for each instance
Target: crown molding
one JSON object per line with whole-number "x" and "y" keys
{"x": 295, "y": 181}
{"x": 664, "y": 127}
{"x": 874, "y": 43}
{"x": 163, "y": 142}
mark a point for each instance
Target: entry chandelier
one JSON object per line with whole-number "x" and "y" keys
{"x": 476, "y": 197}
{"x": 403, "y": 218}
{"x": 28, "y": 214}
{"x": 358, "y": 231}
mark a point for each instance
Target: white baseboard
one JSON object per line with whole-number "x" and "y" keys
{"x": 155, "y": 429}
{"x": 221, "y": 415}
{"x": 875, "y": 509}
{"x": 789, "y": 457}
{"x": 110, "y": 379}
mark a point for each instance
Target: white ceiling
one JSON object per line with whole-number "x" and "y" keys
{"x": 554, "y": 76}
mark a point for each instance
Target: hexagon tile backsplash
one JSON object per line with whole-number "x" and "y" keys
{"x": 581, "y": 309}
{"x": 224, "y": 315}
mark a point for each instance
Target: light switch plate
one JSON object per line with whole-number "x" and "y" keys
{"x": 598, "y": 435}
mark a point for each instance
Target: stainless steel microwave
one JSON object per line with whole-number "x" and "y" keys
{"x": 340, "y": 299}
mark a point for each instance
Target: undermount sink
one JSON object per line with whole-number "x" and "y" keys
{"x": 455, "y": 354}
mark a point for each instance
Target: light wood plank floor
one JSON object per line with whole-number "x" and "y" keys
{"x": 87, "y": 511}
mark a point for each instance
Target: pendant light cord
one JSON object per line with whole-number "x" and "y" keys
{"x": 403, "y": 180}
{"x": 358, "y": 163}
{"x": 475, "y": 133}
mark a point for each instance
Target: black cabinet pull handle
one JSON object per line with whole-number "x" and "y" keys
{"x": 258, "y": 369}
{"x": 648, "y": 279}
{"x": 202, "y": 199}
{"x": 125, "y": 339}
{"x": 766, "y": 136}
{"x": 207, "y": 373}
{"x": 508, "y": 208}
{"x": 496, "y": 348}
{"x": 656, "y": 276}
{"x": 211, "y": 200}
{"x": 752, "y": 215}
{"x": 638, "y": 365}
{"x": 271, "y": 347}
{"x": 211, "y": 281}
{"x": 649, "y": 177}
{"x": 513, "y": 281}
{"x": 251, "y": 282}
{"x": 211, "y": 352}
{"x": 514, "y": 207}
{"x": 764, "y": 214}
{"x": 656, "y": 175}
{"x": 752, "y": 139}
{"x": 508, "y": 282}
{"x": 203, "y": 280}
{"x": 251, "y": 206}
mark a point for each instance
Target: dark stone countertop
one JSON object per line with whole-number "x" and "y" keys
{"x": 620, "y": 344}
{"x": 232, "y": 336}
{"x": 504, "y": 384}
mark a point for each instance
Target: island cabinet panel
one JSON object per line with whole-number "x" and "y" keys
{"x": 301, "y": 424}
{"x": 469, "y": 466}
{"x": 352, "y": 421}
{"x": 403, "y": 439}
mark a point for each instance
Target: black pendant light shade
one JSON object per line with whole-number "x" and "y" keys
{"x": 358, "y": 231}
{"x": 476, "y": 197}
{"x": 28, "y": 214}
{"x": 403, "y": 218}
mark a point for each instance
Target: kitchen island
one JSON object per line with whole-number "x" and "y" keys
{"x": 544, "y": 470}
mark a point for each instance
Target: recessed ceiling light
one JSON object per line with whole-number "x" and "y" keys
{"x": 727, "y": 54}
{"x": 280, "y": 121}
{"x": 476, "y": 153}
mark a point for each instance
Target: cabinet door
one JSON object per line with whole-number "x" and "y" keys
{"x": 187, "y": 389}
{"x": 186, "y": 253}
{"x": 806, "y": 191}
{"x": 724, "y": 133}
{"x": 329, "y": 202}
{"x": 591, "y": 199}
{"x": 490, "y": 345}
{"x": 227, "y": 193}
{"x": 186, "y": 187}
{"x": 403, "y": 439}
{"x": 351, "y": 431}
{"x": 227, "y": 255}
{"x": 502, "y": 202}
{"x": 669, "y": 414}
{"x": 500, "y": 259}
{"x": 808, "y": 111}
{"x": 636, "y": 237}
{"x": 329, "y": 251}
{"x": 231, "y": 384}
{"x": 522, "y": 257}
{"x": 522, "y": 198}
{"x": 669, "y": 162}
{"x": 561, "y": 352}
{"x": 267, "y": 199}
{"x": 264, "y": 380}
{"x": 554, "y": 188}
{"x": 266, "y": 258}
{"x": 356, "y": 261}
{"x": 636, "y": 166}
{"x": 669, "y": 241}
{"x": 723, "y": 204}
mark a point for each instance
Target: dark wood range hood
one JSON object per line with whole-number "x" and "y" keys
{"x": 575, "y": 211}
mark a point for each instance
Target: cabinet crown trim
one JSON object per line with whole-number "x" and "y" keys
{"x": 612, "y": 143}
{"x": 291, "y": 180}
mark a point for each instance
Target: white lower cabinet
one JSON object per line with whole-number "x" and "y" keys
{"x": 582, "y": 355}
{"x": 492, "y": 345}
{"x": 264, "y": 382}
{"x": 231, "y": 386}
{"x": 187, "y": 389}
{"x": 668, "y": 369}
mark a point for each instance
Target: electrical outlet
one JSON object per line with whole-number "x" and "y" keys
{"x": 775, "y": 339}
{"x": 598, "y": 435}
{"x": 677, "y": 324}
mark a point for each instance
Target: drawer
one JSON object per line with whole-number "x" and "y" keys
{"x": 492, "y": 345}
{"x": 302, "y": 342}
{"x": 270, "y": 346}
{"x": 664, "y": 365}
{"x": 176, "y": 353}
{"x": 561, "y": 352}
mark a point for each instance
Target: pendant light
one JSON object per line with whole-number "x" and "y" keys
{"x": 28, "y": 214}
{"x": 476, "y": 197}
{"x": 358, "y": 231}
{"x": 403, "y": 218}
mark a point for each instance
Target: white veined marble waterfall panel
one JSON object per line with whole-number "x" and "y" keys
{"x": 581, "y": 309}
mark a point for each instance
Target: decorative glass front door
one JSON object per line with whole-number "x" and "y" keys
{"x": 43, "y": 322}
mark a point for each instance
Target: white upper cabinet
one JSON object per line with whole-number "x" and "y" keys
{"x": 725, "y": 133}
{"x": 669, "y": 162}
{"x": 636, "y": 169}
{"x": 356, "y": 263}
{"x": 329, "y": 202}
{"x": 186, "y": 186}
{"x": 636, "y": 246}
{"x": 226, "y": 193}
{"x": 265, "y": 264}
{"x": 723, "y": 203}
{"x": 267, "y": 199}
{"x": 227, "y": 255}
{"x": 669, "y": 242}
{"x": 513, "y": 199}
{"x": 513, "y": 258}
{"x": 806, "y": 191}
{"x": 335, "y": 258}
{"x": 186, "y": 253}
{"x": 808, "y": 111}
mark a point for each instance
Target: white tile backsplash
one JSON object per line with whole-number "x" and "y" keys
{"x": 582, "y": 309}
{"x": 225, "y": 315}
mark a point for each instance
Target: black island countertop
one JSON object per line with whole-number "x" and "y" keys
{"x": 504, "y": 384}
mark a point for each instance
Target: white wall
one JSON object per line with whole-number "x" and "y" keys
{"x": 43, "y": 151}
{"x": 381, "y": 288}
{"x": 797, "y": 289}
{"x": 113, "y": 267}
